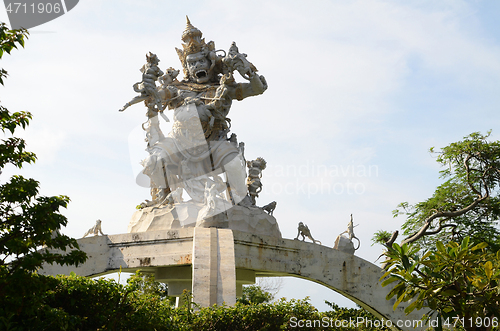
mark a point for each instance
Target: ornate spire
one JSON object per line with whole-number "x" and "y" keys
{"x": 191, "y": 33}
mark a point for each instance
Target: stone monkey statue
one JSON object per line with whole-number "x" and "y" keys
{"x": 304, "y": 231}
{"x": 95, "y": 230}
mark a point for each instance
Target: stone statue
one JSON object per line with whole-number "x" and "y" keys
{"x": 270, "y": 207}
{"x": 199, "y": 156}
{"x": 254, "y": 184}
{"x": 150, "y": 74}
{"x": 169, "y": 77}
{"x": 345, "y": 243}
{"x": 303, "y": 231}
{"x": 95, "y": 230}
{"x": 201, "y": 103}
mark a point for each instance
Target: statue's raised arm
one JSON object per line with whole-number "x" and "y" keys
{"x": 235, "y": 60}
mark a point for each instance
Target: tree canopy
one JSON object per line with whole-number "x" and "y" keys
{"x": 467, "y": 204}
{"x": 448, "y": 264}
{"x": 29, "y": 223}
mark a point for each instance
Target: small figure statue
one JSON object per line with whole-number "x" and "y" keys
{"x": 303, "y": 231}
{"x": 254, "y": 184}
{"x": 210, "y": 196}
{"x": 169, "y": 77}
{"x": 238, "y": 61}
{"x": 350, "y": 232}
{"x": 95, "y": 230}
{"x": 147, "y": 87}
{"x": 344, "y": 243}
{"x": 221, "y": 187}
{"x": 270, "y": 207}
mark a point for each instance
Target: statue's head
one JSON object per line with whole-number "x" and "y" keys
{"x": 197, "y": 57}
{"x": 198, "y": 67}
{"x": 152, "y": 59}
{"x": 261, "y": 163}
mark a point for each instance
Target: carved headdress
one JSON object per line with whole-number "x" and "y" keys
{"x": 194, "y": 43}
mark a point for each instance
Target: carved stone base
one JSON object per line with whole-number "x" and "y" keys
{"x": 249, "y": 219}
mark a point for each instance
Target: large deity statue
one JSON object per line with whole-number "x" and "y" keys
{"x": 198, "y": 156}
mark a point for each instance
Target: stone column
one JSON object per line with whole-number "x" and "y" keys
{"x": 214, "y": 274}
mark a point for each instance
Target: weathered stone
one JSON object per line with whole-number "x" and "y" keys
{"x": 197, "y": 156}
{"x": 344, "y": 244}
{"x": 184, "y": 215}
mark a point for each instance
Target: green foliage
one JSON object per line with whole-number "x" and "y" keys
{"x": 380, "y": 237}
{"x": 9, "y": 39}
{"x": 254, "y": 294}
{"x": 467, "y": 204}
{"x": 29, "y": 223}
{"x": 80, "y": 303}
{"x": 146, "y": 285}
{"x": 275, "y": 316}
{"x": 449, "y": 263}
{"x": 458, "y": 280}
{"x": 346, "y": 314}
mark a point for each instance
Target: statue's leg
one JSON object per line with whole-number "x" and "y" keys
{"x": 235, "y": 173}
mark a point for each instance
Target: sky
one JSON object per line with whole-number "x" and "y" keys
{"x": 358, "y": 93}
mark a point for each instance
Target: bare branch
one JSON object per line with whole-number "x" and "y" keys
{"x": 448, "y": 214}
{"x": 440, "y": 228}
{"x": 392, "y": 239}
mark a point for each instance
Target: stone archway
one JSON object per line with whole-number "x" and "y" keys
{"x": 215, "y": 263}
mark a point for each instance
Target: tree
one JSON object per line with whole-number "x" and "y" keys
{"x": 254, "y": 295}
{"x": 467, "y": 204}
{"x": 448, "y": 263}
{"x": 146, "y": 284}
{"x": 29, "y": 223}
{"x": 80, "y": 303}
{"x": 458, "y": 283}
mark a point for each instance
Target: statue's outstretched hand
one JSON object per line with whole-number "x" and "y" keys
{"x": 259, "y": 84}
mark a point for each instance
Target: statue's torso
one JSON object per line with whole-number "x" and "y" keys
{"x": 192, "y": 117}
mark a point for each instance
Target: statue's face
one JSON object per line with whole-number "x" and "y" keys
{"x": 198, "y": 67}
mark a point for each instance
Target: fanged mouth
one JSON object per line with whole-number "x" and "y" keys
{"x": 201, "y": 74}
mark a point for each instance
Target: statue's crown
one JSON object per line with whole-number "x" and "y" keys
{"x": 193, "y": 43}
{"x": 191, "y": 33}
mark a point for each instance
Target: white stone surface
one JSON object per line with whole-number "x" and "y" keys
{"x": 184, "y": 215}
{"x": 344, "y": 244}
{"x": 226, "y": 268}
{"x": 214, "y": 276}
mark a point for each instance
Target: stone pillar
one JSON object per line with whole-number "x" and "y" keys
{"x": 214, "y": 273}
{"x": 226, "y": 268}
